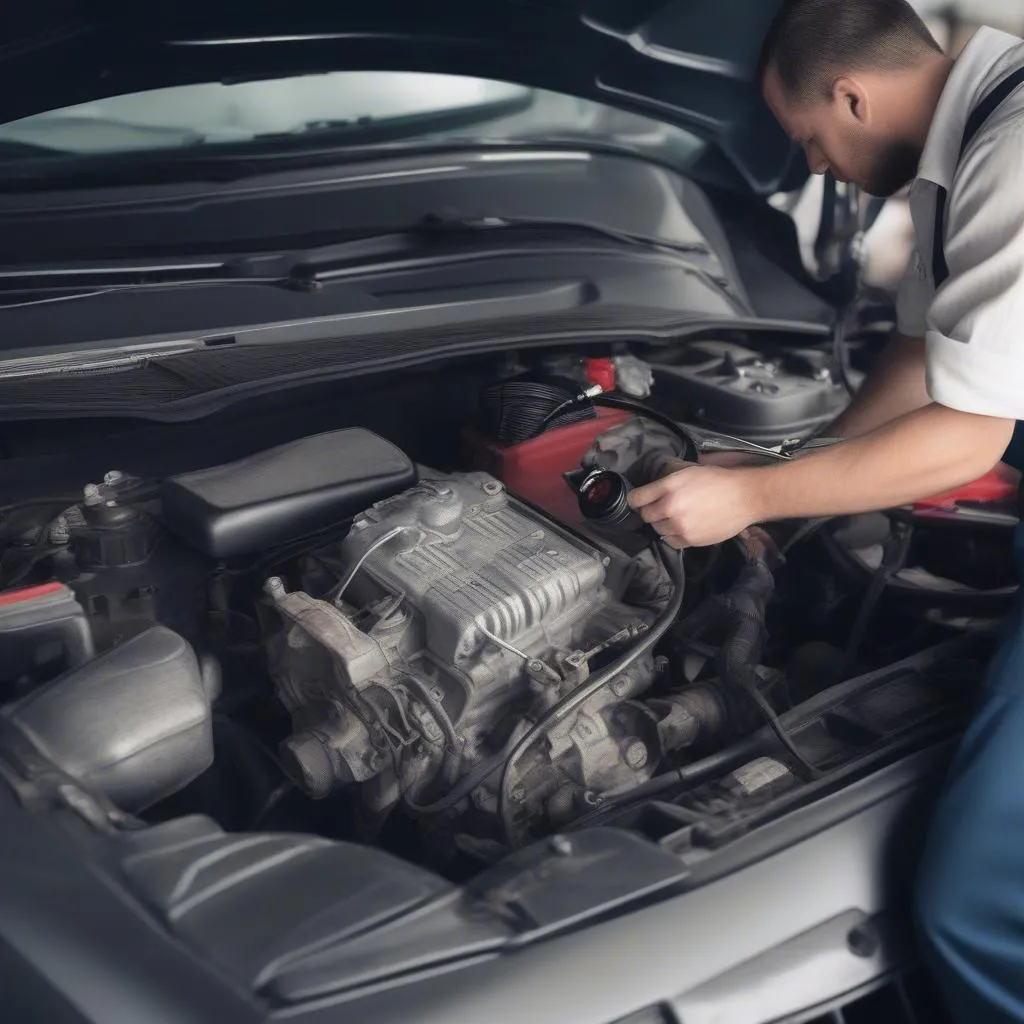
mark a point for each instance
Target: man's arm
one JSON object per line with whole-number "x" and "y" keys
{"x": 927, "y": 451}
{"x": 895, "y": 386}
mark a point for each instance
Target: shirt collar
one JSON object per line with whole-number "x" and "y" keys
{"x": 982, "y": 62}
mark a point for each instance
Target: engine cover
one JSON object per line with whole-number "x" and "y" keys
{"x": 452, "y": 616}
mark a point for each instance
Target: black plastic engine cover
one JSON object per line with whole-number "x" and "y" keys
{"x": 135, "y": 722}
{"x": 284, "y": 493}
{"x": 737, "y": 390}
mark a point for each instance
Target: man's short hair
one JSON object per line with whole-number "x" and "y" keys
{"x": 811, "y": 43}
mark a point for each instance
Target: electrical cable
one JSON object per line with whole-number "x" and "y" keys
{"x": 894, "y": 557}
{"x": 453, "y": 751}
{"x": 691, "y": 450}
{"x": 466, "y": 785}
{"x": 673, "y": 564}
{"x": 775, "y": 723}
{"x": 840, "y": 349}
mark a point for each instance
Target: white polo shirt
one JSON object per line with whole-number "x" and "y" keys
{"x": 974, "y": 323}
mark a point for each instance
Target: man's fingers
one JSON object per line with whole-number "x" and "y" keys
{"x": 657, "y": 510}
{"x": 668, "y": 531}
{"x": 673, "y": 540}
{"x": 640, "y": 497}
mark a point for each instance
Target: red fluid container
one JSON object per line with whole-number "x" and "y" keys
{"x": 533, "y": 469}
{"x": 998, "y": 485}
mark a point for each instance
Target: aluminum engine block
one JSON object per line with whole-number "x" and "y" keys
{"x": 456, "y": 613}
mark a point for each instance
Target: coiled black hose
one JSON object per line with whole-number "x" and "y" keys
{"x": 520, "y": 408}
{"x": 673, "y": 563}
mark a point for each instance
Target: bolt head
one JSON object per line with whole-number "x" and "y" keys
{"x": 636, "y": 754}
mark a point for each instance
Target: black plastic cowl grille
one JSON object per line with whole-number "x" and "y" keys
{"x": 908, "y": 998}
{"x": 158, "y": 384}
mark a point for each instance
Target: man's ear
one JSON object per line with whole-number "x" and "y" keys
{"x": 852, "y": 99}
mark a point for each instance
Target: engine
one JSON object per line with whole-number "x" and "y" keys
{"x": 457, "y": 616}
{"x": 330, "y": 636}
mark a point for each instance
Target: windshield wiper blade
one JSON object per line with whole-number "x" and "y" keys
{"x": 39, "y": 286}
{"x": 487, "y": 223}
{"x": 334, "y": 261}
{"x": 305, "y": 270}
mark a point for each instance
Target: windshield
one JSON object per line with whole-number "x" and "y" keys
{"x": 345, "y": 108}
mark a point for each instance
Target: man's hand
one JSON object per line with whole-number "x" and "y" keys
{"x": 697, "y": 506}
{"x": 926, "y": 452}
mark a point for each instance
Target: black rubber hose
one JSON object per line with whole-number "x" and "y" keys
{"x": 465, "y": 786}
{"x": 741, "y": 610}
{"x": 453, "y": 748}
{"x": 894, "y": 557}
{"x": 691, "y": 450}
{"x": 673, "y": 563}
{"x": 697, "y": 772}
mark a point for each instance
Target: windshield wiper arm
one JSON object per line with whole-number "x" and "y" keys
{"x": 38, "y": 286}
{"x": 299, "y": 271}
{"x": 333, "y": 261}
{"x": 486, "y": 223}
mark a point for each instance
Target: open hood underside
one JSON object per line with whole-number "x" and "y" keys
{"x": 686, "y": 62}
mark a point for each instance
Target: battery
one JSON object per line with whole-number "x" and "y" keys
{"x": 44, "y": 632}
{"x": 534, "y": 469}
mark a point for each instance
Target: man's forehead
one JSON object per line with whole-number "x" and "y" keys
{"x": 775, "y": 98}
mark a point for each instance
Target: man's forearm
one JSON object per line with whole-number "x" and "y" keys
{"x": 895, "y": 386}
{"x": 922, "y": 453}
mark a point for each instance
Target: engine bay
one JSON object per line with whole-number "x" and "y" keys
{"x": 450, "y": 663}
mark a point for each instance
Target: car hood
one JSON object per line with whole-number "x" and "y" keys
{"x": 685, "y": 62}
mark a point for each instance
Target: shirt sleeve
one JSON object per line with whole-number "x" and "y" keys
{"x": 913, "y": 299}
{"x": 975, "y": 324}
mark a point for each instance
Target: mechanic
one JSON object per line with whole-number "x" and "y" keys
{"x": 870, "y": 96}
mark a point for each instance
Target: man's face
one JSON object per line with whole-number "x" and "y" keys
{"x": 839, "y": 134}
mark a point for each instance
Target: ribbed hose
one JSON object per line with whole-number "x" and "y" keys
{"x": 741, "y": 611}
